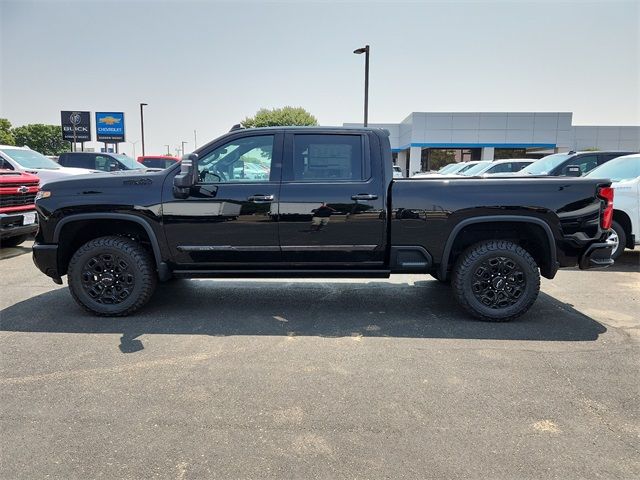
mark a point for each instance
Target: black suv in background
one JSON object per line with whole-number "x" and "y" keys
{"x": 573, "y": 164}
{"x": 106, "y": 162}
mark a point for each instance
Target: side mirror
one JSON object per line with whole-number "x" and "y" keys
{"x": 572, "y": 171}
{"x": 188, "y": 176}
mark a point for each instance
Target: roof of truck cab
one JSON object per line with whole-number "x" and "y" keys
{"x": 311, "y": 127}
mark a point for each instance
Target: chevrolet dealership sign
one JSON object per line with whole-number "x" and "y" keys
{"x": 110, "y": 127}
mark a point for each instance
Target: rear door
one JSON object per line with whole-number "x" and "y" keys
{"x": 331, "y": 209}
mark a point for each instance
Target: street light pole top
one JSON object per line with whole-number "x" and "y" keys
{"x": 359, "y": 51}
{"x": 144, "y": 104}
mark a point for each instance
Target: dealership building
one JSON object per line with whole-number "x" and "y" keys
{"x": 421, "y": 136}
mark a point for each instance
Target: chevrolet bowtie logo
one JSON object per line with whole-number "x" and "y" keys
{"x": 109, "y": 120}
{"x": 23, "y": 189}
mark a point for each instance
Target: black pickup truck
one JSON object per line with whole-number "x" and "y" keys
{"x": 315, "y": 202}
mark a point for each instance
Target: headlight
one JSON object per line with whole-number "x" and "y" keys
{"x": 42, "y": 194}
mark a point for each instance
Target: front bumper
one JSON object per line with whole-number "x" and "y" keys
{"x": 11, "y": 225}
{"x": 46, "y": 259}
{"x": 597, "y": 255}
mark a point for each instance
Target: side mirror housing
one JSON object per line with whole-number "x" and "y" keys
{"x": 188, "y": 176}
{"x": 572, "y": 171}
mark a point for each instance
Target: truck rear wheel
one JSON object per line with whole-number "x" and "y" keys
{"x": 111, "y": 276}
{"x": 496, "y": 280}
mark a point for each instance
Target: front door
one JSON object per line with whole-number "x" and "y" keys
{"x": 230, "y": 217}
{"x": 331, "y": 206}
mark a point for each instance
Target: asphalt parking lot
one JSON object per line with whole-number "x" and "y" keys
{"x": 320, "y": 379}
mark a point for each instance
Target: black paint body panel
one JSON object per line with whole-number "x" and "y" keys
{"x": 217, "y": 228}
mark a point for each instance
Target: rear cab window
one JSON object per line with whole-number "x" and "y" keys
{"x": 329, "y": 158}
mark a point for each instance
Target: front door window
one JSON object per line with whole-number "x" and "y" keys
{"x": 243, "y": 160}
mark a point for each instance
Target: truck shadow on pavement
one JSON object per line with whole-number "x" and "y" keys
{"x": 425, "y": 309}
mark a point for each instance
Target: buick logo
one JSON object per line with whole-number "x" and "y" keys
{"x": 23, "y": 189}
{"x": 75, "y": 118}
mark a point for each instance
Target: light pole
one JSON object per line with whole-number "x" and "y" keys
{"x": 142, "y": 125}
{"x": 359, "y": 51}
{"x": 168, "y": 153}
{"x": 183, "y": 142}
{"x": 133, "y": 144}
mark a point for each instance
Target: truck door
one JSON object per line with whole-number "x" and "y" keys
{"x": 332, "y": 201}
{"x": 230, "y": 217}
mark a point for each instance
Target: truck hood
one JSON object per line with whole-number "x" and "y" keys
{"x": 96, "y": 182}
{"x": 48, "y": 175}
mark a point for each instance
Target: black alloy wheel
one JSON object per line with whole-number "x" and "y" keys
{"x": 108, "y": 278}
{"x": 498, "y": 282}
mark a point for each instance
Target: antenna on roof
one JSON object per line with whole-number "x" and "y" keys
{"x": 237, "y": 126}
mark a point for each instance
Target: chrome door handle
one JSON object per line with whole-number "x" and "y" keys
{"x": 364, "y": 196}
{"x": 260, "y": 198}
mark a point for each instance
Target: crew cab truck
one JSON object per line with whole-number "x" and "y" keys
{"x": 328, "y": 207}
{"x": 17, "y": 207}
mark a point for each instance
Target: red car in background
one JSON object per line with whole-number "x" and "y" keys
{"x": 18, "y": 219}
{"x": 158, "y": 161}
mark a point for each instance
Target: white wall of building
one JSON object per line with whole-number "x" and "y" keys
{"x": 490, "y": 130}
{"x": 606, "y": 138}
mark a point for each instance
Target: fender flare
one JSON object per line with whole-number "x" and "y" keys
{"x": 113, "y": 216}
{"x": 444, "y": 263}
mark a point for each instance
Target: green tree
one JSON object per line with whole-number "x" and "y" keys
{"x": 6, "y": 137}
{"x": 280, "y": 117}
{"x": 46, "y": 139}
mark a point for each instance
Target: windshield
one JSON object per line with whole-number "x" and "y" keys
{"x": 545, "y": 164}
{"x": 618, "y": 170}
{"x": 448, "y": 168}
{"x": 128, "y": 162}
{"x": 475, "y": 169}
{"x": 30, "y": 159}
{"x": 464, "y": 167}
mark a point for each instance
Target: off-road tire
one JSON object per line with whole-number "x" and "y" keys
{"x": 622, "y": 240}
{"x": 139, "y": 262}
{"x": 465, "y": 276}
{"x": 13, "y": 241}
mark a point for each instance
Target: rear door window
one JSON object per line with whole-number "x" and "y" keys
{"x": 327, "y": 158}
{"x": 76, "y": 160}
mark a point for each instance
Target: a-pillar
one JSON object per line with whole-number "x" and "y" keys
{"x": 415, "y": 160}
{"x": 488, "y": 153}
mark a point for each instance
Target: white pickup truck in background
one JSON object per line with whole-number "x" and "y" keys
{"x": 624, "y": 173}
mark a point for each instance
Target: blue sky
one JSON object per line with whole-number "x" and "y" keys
{"x": 206, "y": 65}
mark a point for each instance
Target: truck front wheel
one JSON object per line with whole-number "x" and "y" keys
{"x": 496, "y": 280}
{"x": 111, "y": 276}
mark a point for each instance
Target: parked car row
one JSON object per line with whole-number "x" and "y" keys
{"x": 573, "y": 164}
{"x": 23, "y": 171}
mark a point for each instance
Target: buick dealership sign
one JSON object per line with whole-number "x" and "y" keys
{"x": 110, "y": 127}
{"x": 76, "y": 126}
